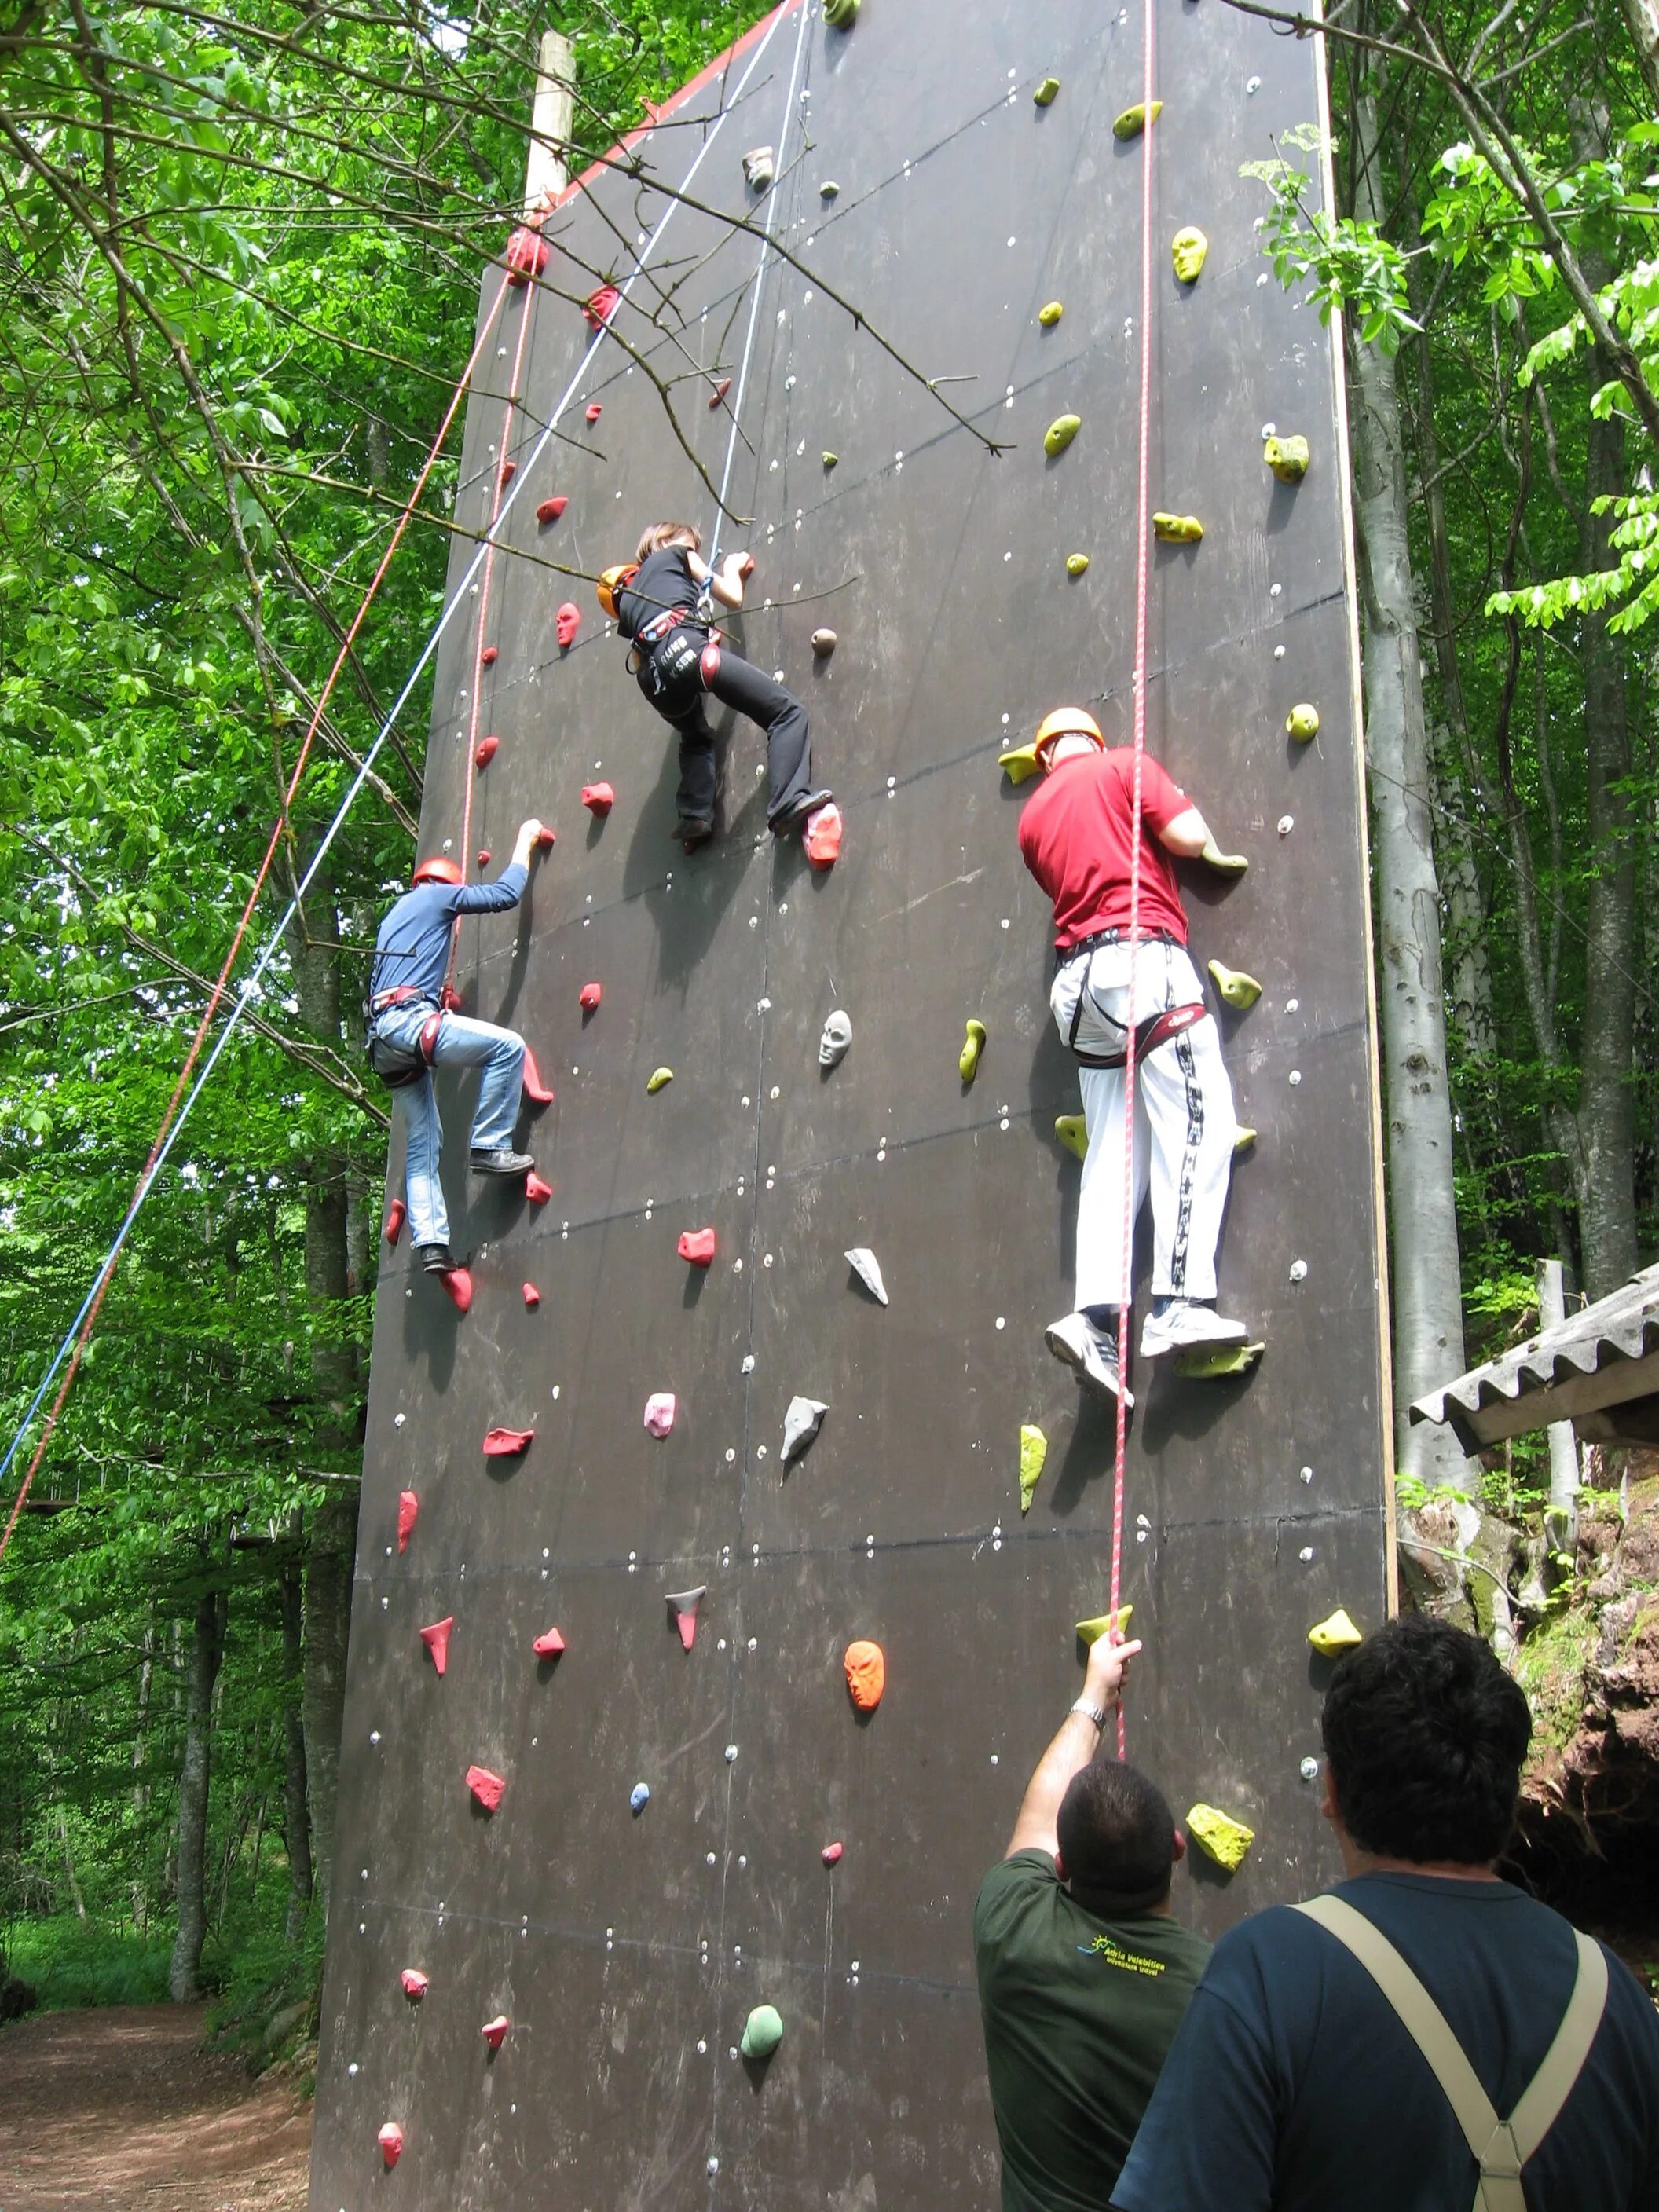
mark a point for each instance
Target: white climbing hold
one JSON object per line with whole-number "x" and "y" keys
{"x": 1309, "y": 1769}
{"x": 866, "y": 1266}
{"x": 1298, "y": 1270}
{"x": 659, "y": 1410}
{"x": 801, "y": 1421}
{"x": 837, "y": 1035}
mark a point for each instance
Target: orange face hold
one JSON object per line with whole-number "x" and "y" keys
{"x": 867, "y": 1674}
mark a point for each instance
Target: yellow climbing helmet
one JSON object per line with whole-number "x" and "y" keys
{"x": 1065, "y": 722}
{"x": 612, "y": 581}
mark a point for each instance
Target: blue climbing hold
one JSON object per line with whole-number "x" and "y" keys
{"x": 639, "y": 1797}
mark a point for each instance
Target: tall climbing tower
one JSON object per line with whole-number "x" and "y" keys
{"x": 892, "y": 459}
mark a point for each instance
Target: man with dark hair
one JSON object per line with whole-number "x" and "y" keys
{"x": 1084, "y": 1974}
{"x": 1425, "y": 2036}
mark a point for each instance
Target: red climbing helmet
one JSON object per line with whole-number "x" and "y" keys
{"x": 437, "y": 871}
{"x": 1065, "y": 722}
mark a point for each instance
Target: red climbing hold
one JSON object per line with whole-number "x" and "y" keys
{"x": 697, "y": 1245}
{"x": 589, "y": 996}
{"x": 598, "y": 798}
{"x": 506, "y": 1443}
{"x": 830, "y": 1854}
{"x": 551, "y": 510}
{"x": 457, "y": 1281}
{"x": 436, "y": 1640}
{"x": 494, "y": 2029}
{"x": 526, "y": 255}
{"x": 509, "y": 470}
{"x": 409, "y": 1506}
{"x": 683, "y": 1604}
{"x": 536, "y": 1190}
{"x": 538, "y": 1092}
{"x": 593, "y": 411}
{"x": 549, "y": 1646}
{"x": 486, "y": 1787}
{"x": 390, "y": 2140}
{"x": 746, "y": 568}
{"x": 719, "y": 392}
{"x": 489, "y": 657}
{"x": 394, "y": 1220}
{"x": 487, "y": 748}
{"x": 823, "y": 837}
{"x": 533, "y": 1296}
{"x": 566, "y": 623}
{"x": 484, "y": 856}
{"x": 601, "y": 306}
{"x": 546, "y": 839}
{"x": 416, "y": 1984}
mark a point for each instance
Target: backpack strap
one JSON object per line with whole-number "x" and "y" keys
{"x": 1500, "y": 2147}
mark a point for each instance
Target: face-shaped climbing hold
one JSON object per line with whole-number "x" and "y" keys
{"x": 1061, "y": 433}
{"x": 1336, "y": 1633}
{"x": 866, "y": 1266}
{"x": 1239, "y": 990}
{"x": 506, "y": 1443}
{"x": 493, "y": 2031}
{"x": 1224, "y": 1839}
{"x": 1033, "y": 1451}
{"x": 487, "y": 749}
{"x": 390, "y": 2140}
{"x": 803, "y": 1419}
{"x": 1076, "y": 564}
{"x": 414, "y": 1984}
{"x": 1177, "y": 529}
{"x": 759, "y": 167}
{"x": 436, "y": 1640}
{"x": 659, "y": 1410}
{"x": 1188, "y": 249}
{"x": 602, "y": 303}
{"x": 1287, "y": 458}
{"x": 394, "y": 1220}
{"x": 1133, "y": 120}
{"x": 1050, "y": 315}
{"x": 866, "y": 1667}
{"x": 762, "y": 2031}
{"x": 551, "y": 510}
{"x": 683, "y": 1611}
{"x": 598, "y": 798}
{"x": 656, "y": 1080}
{"x": 589, "y": 997}
{"x": 408, "y": 1508}
{"x": 1090, "y": 1631}
{"x": 1303, "y": 723}
{"x": 698, "y": 1246}
{"x": 549, "y": 1644}
{"x": 486, "y": 1788}
{"x": 1074, "y": 1132}
{"x": 822, "y": 833}
{"x": 968, "y": 1057}
{"x": 567, "y": 622}
{"x": 836, "y": 1036}
{"x": 1047, "y": 92}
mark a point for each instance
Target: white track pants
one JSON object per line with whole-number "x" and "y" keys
{"x": 1184, "y": 1124}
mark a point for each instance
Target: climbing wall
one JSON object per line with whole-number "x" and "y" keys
{"x": 626, "y": 1948}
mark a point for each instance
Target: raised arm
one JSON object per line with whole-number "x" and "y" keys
{"x": 1071, "y": 1749}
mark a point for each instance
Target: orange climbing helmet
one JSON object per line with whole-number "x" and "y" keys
{"x": 437, "y": 871}
{"x": 614, "y": 580}
{"x": 1065, "y": 722}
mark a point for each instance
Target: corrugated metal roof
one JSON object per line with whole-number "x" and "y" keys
{"x": 1620, "y": 1328}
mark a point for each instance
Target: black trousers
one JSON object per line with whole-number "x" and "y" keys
{"x": 738, "y": 684}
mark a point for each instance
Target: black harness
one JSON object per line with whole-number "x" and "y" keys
{"x": 1155, "y": 1029}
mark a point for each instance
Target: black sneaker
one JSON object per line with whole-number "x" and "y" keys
{"x": 691, "y": 829}
{"x": 794, "y": 815}
{"x": 436, "y": 1259}
{"x": 505, "y": 1162}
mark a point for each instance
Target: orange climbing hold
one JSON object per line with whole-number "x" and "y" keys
{"x": 493, "y": 2031}
{"x": 551, "y": 510}
{"x": 867, "y": 1674}
{"x": 823, "y": 835}
{"x": 697, "y": 1245}
{"x": 589, "y": 996}
{"x": 598, "y": 798}
{"x": 458, "y": 1282}
{"x": 390, "y": 2140}
{"x": 550, "y": 1645}
{"x": 436, "y": 1640}
{"x": 487, "y": 749}
{"x": 486, "y": 1787}
{"x": 394, "y": 1220}
{"x": 538, "y": 1092}
{"x": 526, "y": 254}
{"x": 416, "y": 1984}
{"x": 408, "y": 1507}
{"x": 536, "y": 1190}
{"x": 506, "y": 1443}
{"x": 601, "y": 306}
{"x": 533, "y": 1296}
{"x": 719, "y": 392}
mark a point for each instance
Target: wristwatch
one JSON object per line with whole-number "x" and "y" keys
{"x": 1096, "y": 1713}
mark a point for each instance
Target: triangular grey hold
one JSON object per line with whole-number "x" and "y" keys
{"x": 800, "y": 1425}
{"x": 866, "y": 1266}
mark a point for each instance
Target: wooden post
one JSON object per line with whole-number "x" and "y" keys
{"x": 550, "y": 124}
{"x": 1563, "y": 1444}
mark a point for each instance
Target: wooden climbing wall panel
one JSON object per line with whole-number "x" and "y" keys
{"x": 627, "y": 1950}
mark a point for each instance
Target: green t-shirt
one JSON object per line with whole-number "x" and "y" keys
{"x": 1078, "y": 2013}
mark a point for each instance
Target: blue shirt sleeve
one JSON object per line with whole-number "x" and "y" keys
{"x": 492, "y": 898}
{"x": 1209, "y": 2134}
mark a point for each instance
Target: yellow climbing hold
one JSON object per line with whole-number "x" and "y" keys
{"x": 1198, "y": 1366}
{"x": 1225, "y": 1839}
{"x": 830, "y": 459}
{"x": 1133, "y": 120}
{"x": 1061, "y": 433}
{"x": 968, "y": 1057}
{"x": 1243, "y": 1137}
{"x": 1050, "y": 315}
{"x": 1092, "y": 1631}
{"x": 1177, "y": 529}
{"x": 1074, "y": 1132}
{"x": 1076, "y": 563}
{"x": 1045, "y": 94}
{"x": 1188, "y": 248}
{"x": 839, "y": 13}
{"x": 1227, "y": 864}
{"x": 1337, "y": 1633}
{"x": 1020, "y": 761}
{"x": 1287, "y": 458}
{"x": 658, "y": 1077}
{"x": 1237, "y": 988}
{"x": 1033, "y": 1450}
{"x": 1303, "y": 723}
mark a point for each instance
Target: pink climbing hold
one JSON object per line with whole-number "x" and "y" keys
{"x": 593, "y": 411}
{"x": 486, "y": 1787}
{"x": 550, "y": 1645}
{"x": 526, "y": 254}
{"x": 551, "y": 510}
{"x": 509, "y": 470}
{"x": 589, "y": 996}
{"x": 390, "y": 2140}
{"x": 831, "y": 1853}
{"x": 823, "y": 835}
{"x": 598, "y": 798}
{"x": 684, "y": 1604}
{"x": 601, "y": 306}
{"x": 536, "y": 1190}
{"x": 719, "y": 392}
{"x": 506, "y": 1443}
{"x": 567, "y": 622}
{"x": 659, "y": 1410}
{"x": 408, "y": 1507}
{"x": 436, "y": 1640}
{"x": 538, "y": 1092}
{"x": 533, "y": 1296}
{"x": 458, "y": 1282}
{"x": 493, "y": 2031}
{"x": 697, "y": 1245}
{"x": 487, "y": 748}
{"x": 394, "y": 1220}
{"x": 416, "y": 1984}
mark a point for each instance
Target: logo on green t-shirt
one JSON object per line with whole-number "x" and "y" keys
{"x": 1130, "y": 1962}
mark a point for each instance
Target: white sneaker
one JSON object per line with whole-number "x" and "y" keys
{"x": 1075, "y": 1340}
{"x": 1186, "y": 1326}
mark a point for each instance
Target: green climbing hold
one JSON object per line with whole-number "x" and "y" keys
{"x": 968, "y": 1057}
{"x": 1287, "y": 458}
{"x": 1074, "y": 1132}
{"x": 763, "y": 2031}
{"x": 1050, "y": 315}
{"x": 1020, "y": 761}
{"x": 1225, "y": 1839}
{"x": 658, "y": 1077}
{"x": 829, "y": 189}
{"x": 1033, "y": 1450}
{"x": 839, "y": 13}
{"x": 1188, "y": 249}
{"x": 1046, "y": 92}
{"x": 1177, "y": 529}
{"x": 1198, "y": 1366}
{"x": 1092, "y": 1631}
{"x": 1303, "y": 723}
{"x": 1335, "y": 1633}
{"x": 1237, "y": 988}
{"x": 1076, "y": 563}
{"x": 1243, "y": 1137}
{"x": 1226, "y": 863}
{"x": 1133, "y": 120}
{"x": 1061, "y": 433}
{"x": 830, "y": 459}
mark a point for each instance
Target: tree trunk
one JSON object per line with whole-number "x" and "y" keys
{"x": 296, "y": 1818}
{"x": 1643, "y": 16}
{"x": 1428, "y": 1313}
{"x": 206, "y": 1648}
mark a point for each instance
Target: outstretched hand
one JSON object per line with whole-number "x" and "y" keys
{"x": 1108, "y": 1670}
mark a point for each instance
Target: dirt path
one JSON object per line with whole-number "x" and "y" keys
{"x": 118, "y": 2110}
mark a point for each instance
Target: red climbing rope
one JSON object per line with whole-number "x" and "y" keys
{"x": 1125, "y": 1329}
{"x": 106, "y": 1273}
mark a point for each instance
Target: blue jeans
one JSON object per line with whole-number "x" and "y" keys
{"x": 461, "y": 1044}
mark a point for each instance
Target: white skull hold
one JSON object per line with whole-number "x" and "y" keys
{"x": 837, "y": 1036}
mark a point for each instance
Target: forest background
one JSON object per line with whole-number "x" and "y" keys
{"x": 242, "y": 247}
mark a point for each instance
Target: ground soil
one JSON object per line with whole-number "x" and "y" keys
{"x": 119, "y": 2109}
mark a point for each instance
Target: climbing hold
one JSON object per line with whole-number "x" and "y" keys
{"x": 1189, "y": 248}
{"x": 390, "y": 2140}
{"x": 1226, "y": 1840}
{"x": 839, "y": 13}
{"x": 533, "y": 1296}
{"x": 718, "y": 393}
{"x": 1033, "y": 1451}
{"x": 546, "y": 839}
{"x": 602, "y": 304}
{"x": 657, "y": 1079}
{"x": 493, "y": 2031}
{"x": 436, "y": 1640}
{"x": 1061, "y": 433}
{"x": 802, "y": 1420}
{"x": 697, "y": 1245}
{"x": 762, "y": 2031}
{"x": 829, "y": 190}
{"x": 487, "y": 749}
{"x": 1045, "y": 94}
{"x": 823, "y": 642}
{"x": 416, "y": 1984}
{"x": 759, "y": 167}
{"x": 408, "y": 1507}
{"x": 551, "y": 510}
{"x": 682, "y": 1605}
{"x": 1225, "y": 863}
{"x": 394, "y": 1220}
{"x": 526, "y": 254}
{"x": 1103, "y": 1623}
{"x": 867, "y": 1674}
{"x": 1019, "y": 761}
{"x": 509, "y": 470}
{"x": 530, "y": 1081}
{"x": 486, "y": 1787}
{"x": 1076, "y": 563}
{"x": 866, "y": 1266}
{"x": 1237, "y": 988}
{"x": 1335, "y": 1633}
{"x": 566, "y": 623}
{"x": 489, "y": 657}
{"x": 484, "y": 856}
{"x": 1133, "y": 120}
{"x": 1200, "y": 1366}
{"x": 598, "y": 798}
{"x": 659, "y": 1410}
{"x": 836, "y": 1037}
{"x": 1287, "y": 458}
{"x": 458, "y": 1283}
{"x": 1303, "y": 723}
{"x": 1074, "y": 1132}
{"x": 549, "y": 1644}
{"x": 506, "y": 1443}
{"x": 822, "y": 833}
{"x": 592, "y": 410}
{"x": 830, "y": 1853}
{"x": 830, "y": 459}
{"x": 589, "y": 996}
{"x": 1243, "y": 1137}
{"x": 968, "y": 1057}
{"x": 1177, "y": 529}
{"x": 639, "y": 1798}
{"x": 536, "y": 1190}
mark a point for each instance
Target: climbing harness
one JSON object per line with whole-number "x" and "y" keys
{"x": 1154, "y": 1030}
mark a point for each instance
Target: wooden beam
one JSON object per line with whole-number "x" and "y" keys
{"x": 550, "y": 124}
